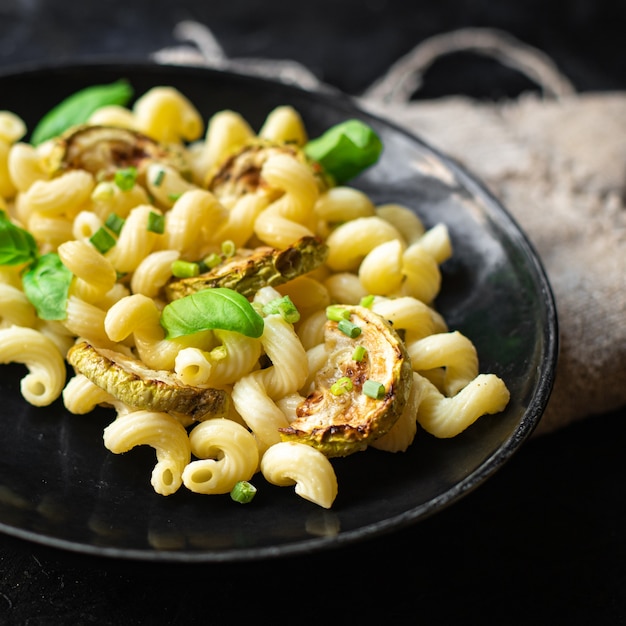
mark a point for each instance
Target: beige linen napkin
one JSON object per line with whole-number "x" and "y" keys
{"x": 557, "y": 161}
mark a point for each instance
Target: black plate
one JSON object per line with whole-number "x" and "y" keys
{"x": 60, "y": 487}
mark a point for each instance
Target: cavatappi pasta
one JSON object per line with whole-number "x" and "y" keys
{"x": 381, "y": 261}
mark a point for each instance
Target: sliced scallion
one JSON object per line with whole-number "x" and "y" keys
{"x": 212, "y": 260}
{"x": 156, "y": 223}
{"x": 185, "y": 269}
{"x": 336, "y": 313}
{"x": 374, "y": 389}
{"x": 359, "y": 353}
{"x": 125, "y": 178}
{"x": 283, "y": 306}
{"x": 228, "y": 248}
{"x": 243, "y": 492}
{"x": 341, "y": 385}
{"x": 367, "y": 301}
{"x": 349, "y": 328}
{"x": 114, "y": 223}
{"x": 102, "y": 240}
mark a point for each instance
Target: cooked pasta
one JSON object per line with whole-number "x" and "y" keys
{"x": 284, "y": 125}
{"x": 289, "y": 463}
{"x": 191, "y": 223}
{"x": 153, "y": 272}
{"x": 46, "y": 369}
{"x": 227, "y": 453}
{"x": 287, "y": 219}
{"x": 160, "y": 431}
{"x": 81, "y": 396}
{"x": 446, "y": 417}
{"x": 165, "y": 114}
{"x": 238, "y": 210}
{"x": 7, "y": 186}
{"x": 15, "y": 308}
{"x": 24, "y": 165}
{"x": 135, "y": 240}
{"x": 64, "y": 195}
{"x": 350, "y": 242}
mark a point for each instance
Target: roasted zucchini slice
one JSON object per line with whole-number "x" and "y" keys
{"x": 102, "y": 150}
{"x": 338, "y": 417}
{"x": 138, "y": 386}
{"x": 240, "y": 172}
{"x": 263, "y": 267}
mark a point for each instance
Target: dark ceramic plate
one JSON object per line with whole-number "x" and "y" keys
{"x": 60, "y": 487}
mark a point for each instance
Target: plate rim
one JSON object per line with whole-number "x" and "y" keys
{"x": 332, "y": 97}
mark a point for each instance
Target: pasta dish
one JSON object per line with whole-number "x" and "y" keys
{"x": 225, "y": 292}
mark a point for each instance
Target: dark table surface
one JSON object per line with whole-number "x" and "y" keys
{"x": 542, "y": 541}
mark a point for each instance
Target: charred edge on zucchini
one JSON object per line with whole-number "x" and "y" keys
{"x": 341, "y": 424}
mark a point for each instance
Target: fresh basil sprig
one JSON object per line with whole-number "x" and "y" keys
{"x": 217, "y": 308}
{"x": 46, "y": 284}
{"x": 345, "y": 150}
{"x": 46, "y": 280}
{"x": 78, "y": 108}
{"x": 17, "y": 245}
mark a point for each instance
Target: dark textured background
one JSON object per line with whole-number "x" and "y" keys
{"x": 542, "y": 542}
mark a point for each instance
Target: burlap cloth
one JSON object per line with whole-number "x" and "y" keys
{"x": 556, "y": 160}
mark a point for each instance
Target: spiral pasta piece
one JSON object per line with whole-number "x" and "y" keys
{"x": 81, "y": 396}
{"x": 284, "y": 125}
{"x": 46, "y": 368}
{"x": 227, "y": 453}
{"x": 452, "y": 351}
{"x": 445, "y": 417}
{"x": 287, "y": 218}
{"x": 15, "y": 308}
{"x": 191, "y": 223}
{"x": 350, "y": 242}
{"x": 160, "y": 431}
{"x": 166, "y": 115}
{"x": 290, "y": 463}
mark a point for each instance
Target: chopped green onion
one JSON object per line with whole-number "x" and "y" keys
{"x": 228, "y": 248}
{"x": 374, "y": 389}
{"x": 158, "y": 178}
{"x": 102, "y": 240}
{"x": 349, "y": 328}
{"x": 285, "y": 307}
{"x": 367, "y": 301}
{"x": 212, "y": 260}
{"x": 104, "y": 190}
{"x": 156, "y": 223}
{"x": 359, "y": 353}
{"x": 337, "y": 313}
{"x": 172, "y": 197}
{"x": 243, "y": 492}
{"x": 184, "y": 269}
{"x": 126, "y": 178}
{"x": 341, "y": 385}
{"x": 114, "y": 223}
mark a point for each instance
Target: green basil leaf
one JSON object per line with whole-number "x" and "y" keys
{"x": 345, "y": 150}
{"x": 46, "y": 284}
{"x": 16, "y": 244}
{"x": 217, "y": 308}
{"x": 78, "y": 108}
